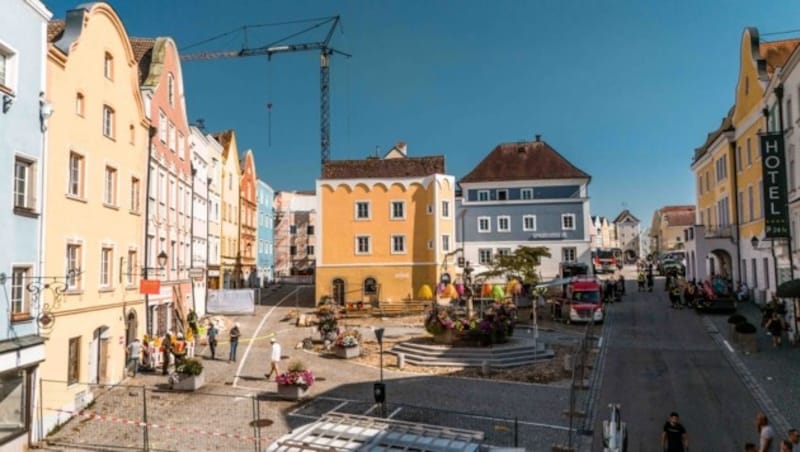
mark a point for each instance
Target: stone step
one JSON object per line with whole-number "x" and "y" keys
{"x": 493, "y": 363}
{"x": 465, "y": 354}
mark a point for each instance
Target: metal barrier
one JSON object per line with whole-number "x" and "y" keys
{"x": 579, "y": 394}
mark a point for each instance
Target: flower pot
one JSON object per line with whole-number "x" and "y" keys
{"x": 748, "y": 342}
{"x": 348, "y": 352}
{"x": 292, "y": 392}
{"x": 445, "y": 338}
{"x": 189, "y": 382}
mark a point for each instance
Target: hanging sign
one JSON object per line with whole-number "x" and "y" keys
{"x": 773, "y": 163}
{"x": 150, "y": 287}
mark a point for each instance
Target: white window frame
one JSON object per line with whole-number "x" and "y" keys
{"x": 110, "y": 192}
{"x": 136, "y": 193}
{"x": 402, "y": 205}
{"x": 524, "y": 225}
{"x": 80, "y": 183}
{"x": 564, "y": 216}
{"x": 445, "y": 243}
{"x": 522, "y": 193}
{"x": 502, "y": 190}
{"x": 162, "y": 127}
{"x": 485, "y": 193}
{"x": 368, "y": 239}
{"x": 106, "y": 266}
{"x": 482, "y": 261}
{"x": 503, "y": 251}
{"x": 569, "y": 250}
{"x": 20, "y": 295}
{"x": 11, "y": 58}
{"x": 108, "y": 65}
{"x": 172, "y": 136}
{"x": 356, "y": 213}
{"x": 488, "y": 224}
{"x": 74, "y": 282}
{"x": 108, "y": 122}
{"x": 445, "y": 209}
{"x": 403, "y": 242}
{"x": 28, "y": 183}
{"x": 507, "y": 219}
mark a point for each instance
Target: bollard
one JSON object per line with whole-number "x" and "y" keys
{"x": 401, "y": 360}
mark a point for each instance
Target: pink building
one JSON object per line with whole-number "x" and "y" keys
{"x": 169, "y": 182}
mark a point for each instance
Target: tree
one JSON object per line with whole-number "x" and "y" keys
{"x": 522, "y": 264}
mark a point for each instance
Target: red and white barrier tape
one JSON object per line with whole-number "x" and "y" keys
{"x": 120, "y": 420}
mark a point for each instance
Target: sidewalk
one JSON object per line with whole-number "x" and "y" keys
{"x": 775, "y": 370}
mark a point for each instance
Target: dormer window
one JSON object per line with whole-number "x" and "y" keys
{"x": 108, "y": 66}
{"x": 171, "y": 89}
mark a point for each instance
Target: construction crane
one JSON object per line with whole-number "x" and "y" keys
{"x": 276, "y": 47}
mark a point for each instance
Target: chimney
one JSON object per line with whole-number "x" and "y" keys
{"x": 538, "y": 138}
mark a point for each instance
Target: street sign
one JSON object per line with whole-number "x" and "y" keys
{"x": 773, "y": 163}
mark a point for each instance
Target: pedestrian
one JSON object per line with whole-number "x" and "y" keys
{"x": 794, "y": 437}
{"x": 275, "y": 359}
{"x": 192, "y": 320}
{"x": 166, "y": 349}
{"x": 134, "y": 350}
{"x": 675, "y": 295}
{"x": 674, "y": 437}
{"x": 766, "y": 435}
{"x": 641, "y": 281}
{"x": 212, "y": 339}
{"x": 775, "y": 328}
{"x": 235, "y": 333}
{"x": 650, "y": 279}
{"x": 786, "y": 446}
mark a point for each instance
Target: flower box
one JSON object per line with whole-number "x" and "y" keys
{"x": 183, "y": 382}
{"x": 348, "y": 352}
{"x": 292, "y": 392}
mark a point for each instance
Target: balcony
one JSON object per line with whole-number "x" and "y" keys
{"x": 719, "y": 232}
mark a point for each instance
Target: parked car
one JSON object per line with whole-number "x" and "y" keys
{"x": 669, "y": 266}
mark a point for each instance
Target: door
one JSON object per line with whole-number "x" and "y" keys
{"x": 102, "y": 363}
{"x": 338, "y": 291}
{"x": 131, "y": 327}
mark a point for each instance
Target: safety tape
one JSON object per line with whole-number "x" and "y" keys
{"x": 120, "y": 420}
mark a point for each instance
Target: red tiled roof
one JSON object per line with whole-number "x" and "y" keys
{"x": 143, "y": 54}
{"x": 383, "y": 168}
{"x": 55, "y": 28}
{"x": 775, "y": 53}
{"x": 524, "y": 161}
{"x": 677, "y": 208}
{"x": 680, "y": 218}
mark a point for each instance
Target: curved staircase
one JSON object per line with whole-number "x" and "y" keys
{"x": 516, "y": 352}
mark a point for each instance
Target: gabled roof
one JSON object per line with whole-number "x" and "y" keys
{"x": 725, "y": 126}
{"x": 383, "y": 168}
{"x": 524, "y": 161}
{"x": 55, "y": 28}
{"x": 143, "y": 53}
{"x": 679, "y": 218}
{"x": 677, "y": 208}
{"x": 776, "y": 53}
{"x": 623, "y": 214}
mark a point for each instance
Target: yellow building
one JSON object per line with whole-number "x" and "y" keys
{"x": 668, "y": 226}
{"x": 96, "y": 167}
{"x": 385, "y": 226}
{"x": 229, "y": 198}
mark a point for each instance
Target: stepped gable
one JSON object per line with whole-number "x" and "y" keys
{"x": 524, "y": 161}
{"x": 383, "y": 168}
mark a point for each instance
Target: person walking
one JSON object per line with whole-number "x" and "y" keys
{"x": 674, "y": 437}
{"x": 650, "y": 279}
{"x": 641, "y": 281}
{"x": 166, "y": 351}
{"x": 766, "y": 435}
{"x": 775, "y": 327}
{"x": 675, "y": 295}
{"x": 786, "y": 446}
{"x": 212, "y": 339}
{"x": 235, "y": 333}
{"x": 275, "y": 359}
{"x": 794, "y": 438}
{"x": 134, "y": 350}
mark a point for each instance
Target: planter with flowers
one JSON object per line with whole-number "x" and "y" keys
{"x": 328, "y": 321}
{"x": 441, "y": 322}
{"x": 347, "y": 344}
{"x": 188, "y": 376}
{"x": 294, "y": 383}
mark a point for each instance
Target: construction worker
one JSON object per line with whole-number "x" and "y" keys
{"x": 641, "y": 279}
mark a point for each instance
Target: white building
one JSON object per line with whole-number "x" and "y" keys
{"x": 199, "y": 144}
{"x": 214, "y": 154}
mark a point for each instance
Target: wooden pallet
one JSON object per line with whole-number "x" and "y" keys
{"x": 401, "y": 307}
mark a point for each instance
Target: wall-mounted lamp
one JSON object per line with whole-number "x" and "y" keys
{"x": 46, "y": 110}
{"x": 8, "y": 100}
{"x": 754, "y": 242}
{"x": 162, "y": 259}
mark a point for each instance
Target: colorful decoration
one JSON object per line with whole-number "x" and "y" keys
{"x": 425, "y": 292}
{"x": 486, "y": 290}
{"x": 498, "y": 293}
{"x": 460, "y": 289}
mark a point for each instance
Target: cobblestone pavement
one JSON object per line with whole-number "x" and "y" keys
{"x": 237, "y": 393}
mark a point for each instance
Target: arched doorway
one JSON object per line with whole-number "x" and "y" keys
{"x": 721, "y": 264}
{"x": 131, "y": 326}
{"x": 338, "y": 291}
{"x": 370, "y": 289}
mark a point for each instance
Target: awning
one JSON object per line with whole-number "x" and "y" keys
{"x": 554, "y": 282}
{"x": 789, "y": 289}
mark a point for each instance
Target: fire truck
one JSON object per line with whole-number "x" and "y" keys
{"x": 582, "y": 300}
{"x": 604, "y": 261}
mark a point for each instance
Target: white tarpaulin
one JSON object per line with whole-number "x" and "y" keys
{"x": 231, "y": 301}
{"x": 554, "y": 282}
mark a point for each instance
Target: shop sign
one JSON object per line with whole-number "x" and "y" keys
{"x": 773, "y": 163}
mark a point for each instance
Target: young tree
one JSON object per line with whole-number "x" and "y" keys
{"x": 522, "y": 264}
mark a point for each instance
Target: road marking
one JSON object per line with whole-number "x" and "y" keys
{"x": 730, "y": 349}
{"x": 255, "y": 334}
{"x": 600, "y": 342}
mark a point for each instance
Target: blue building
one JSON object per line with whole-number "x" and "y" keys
{"x": 266, "y": 233}
{"x": 23, "y": 46}
{"x": 524, "y": 194}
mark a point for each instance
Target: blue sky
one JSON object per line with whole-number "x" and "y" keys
{"x": 623, "y": 89}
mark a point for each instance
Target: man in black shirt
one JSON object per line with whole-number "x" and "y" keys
{"x": 674, "y": 438}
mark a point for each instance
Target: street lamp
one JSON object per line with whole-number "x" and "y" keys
{"x": 379, "y": 389}
{"x": 162, "y": 259}
{"x": 754, "y": 242}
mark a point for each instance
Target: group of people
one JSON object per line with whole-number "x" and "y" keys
{"x": 154, "y": 352}
{"x": 674, "y": 437}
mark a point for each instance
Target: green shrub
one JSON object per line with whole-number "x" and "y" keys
{"x": 746, "y": 328}
{"x": 190, "y": 366}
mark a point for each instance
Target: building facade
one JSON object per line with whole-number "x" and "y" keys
{"x": 214, "y": 212}
{"x": 248, "y": 229}
{"x": 628, "y": 236}
{"x": 96, "y": 173}
{"x": 295, "y": 233}
{"x": 198, "y": 145}
{"x": 266, "y": 230}
{"x": 23, "y": 45}
{"x": 667, "y": 230}
{"x": 604, "y": 233}
{"x": 386, "y": 227}
{"x": 229, "y": 199}
{"x": 169, "y": 206}
{"x": 525, "y": 194}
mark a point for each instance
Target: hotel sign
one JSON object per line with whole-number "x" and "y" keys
{"x": 773, "y": 163}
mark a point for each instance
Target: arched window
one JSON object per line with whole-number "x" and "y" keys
{"x": 338, "y": 290}
{"x": 171, "y": 89}
{"x": 370, "y": 286}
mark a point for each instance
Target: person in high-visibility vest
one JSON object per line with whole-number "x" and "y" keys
{"x": 675, "y": 295}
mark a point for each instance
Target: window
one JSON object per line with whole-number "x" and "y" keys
{"x": 24, "y": 175}
{"x": 759, "y": 196}
{"x": 310, "y": 250}
{"x": 569, "y": 254}
{"x": 749, "y": 153}
{"x": 484, "y": 256}
{"x": 398, "y": 244}
{"x": 162, "y": 127}
{"x": 108, "y": 66}
{"x": 76, "y": 166}
{"x": 398, "y": 210}
{"x": 293, "y": 229}
{"x": 529, "y": 222}
{"x": 484, "y": 224}
{"x": 181, "y": 141}
{"x": 526, "y": 193}
{"x": 171, "y": 89}
{"x": 108, "y": 121}
{"x": 754, "y": 272}
{"x": 445, "y": 243}
{"x": 134, "y": 194}
{"x": 13, "y": 403}
{"x": 503, "y": 251}
{"x": 6, "y": 68}
{"x": 73, "y": 267}
{"x": 131, "y": 264}
{"x": 739, "y": 208}
{"x": 110, "y": 186}
{"x": 20, "y": 296}
{"x": 309, "y": 228}
{"x": 106, "y": 261}
{"x": 79, "y": 104}
{"x": 362, "y": 244}
{"x": 568, "y": 221}
{"x": 738, "y": 158}
{"x": 750, "y": 201}
{"x": 362, "y": 210}
{"x": 445, "y": 209}
{"x": 370, "y": 286}
{"x": 171, "y": 135}
{"x": 789, "y": 113}
{"x": 766, "y": 272}
{"x": 721, "y": 168}
{"x": 74, "y": 364}
{"x": 502, "y": 195}
{"x": 483, "y": 195}
{"x": 503, "y": 224}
